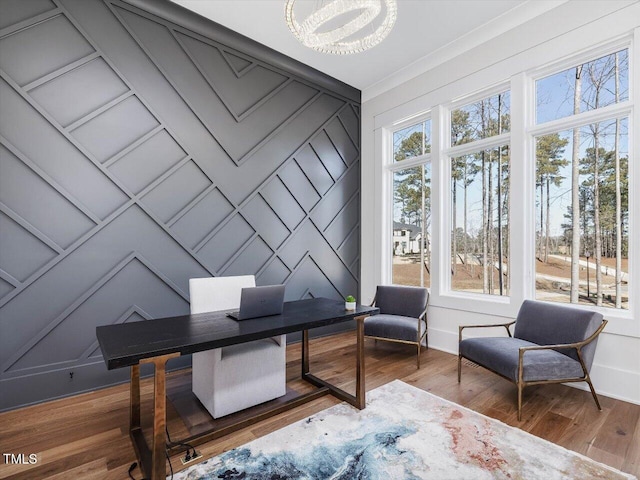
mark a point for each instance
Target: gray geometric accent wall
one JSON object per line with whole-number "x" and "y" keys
{"x": 136, "y": 153}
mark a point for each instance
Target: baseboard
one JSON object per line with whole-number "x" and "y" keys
{"x": 443, "y": 340}
{"x": 27, "y": 390}
{"x": 24, "y": 391}
{"x": 615, "y": 383}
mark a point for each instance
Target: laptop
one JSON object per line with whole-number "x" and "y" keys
{"x": 259, "y": 302}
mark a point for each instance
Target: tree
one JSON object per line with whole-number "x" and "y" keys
{"x": 408, "y": 183}
{"x": 596, "y": 84}
{"x": 412, "y": 189}
{"x": 600, "y": 73}
{"x": 618, "y": 194}
{"x": 614, "y": 202}
{"x": 503, "y": 230}
{"x": 411, "y": 146}
{"x": 482, "y": 119}
{"x": 461, "y": 132}
{"x": 549, "y": 161}
{"x": 575, "y": 193}
{"x": 408, "y": 193}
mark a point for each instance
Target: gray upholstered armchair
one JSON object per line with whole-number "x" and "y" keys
{"x": 550, "y": 344}
{"x": 402, "y": 318}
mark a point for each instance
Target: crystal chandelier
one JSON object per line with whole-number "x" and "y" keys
{"x": 342, "y": 40}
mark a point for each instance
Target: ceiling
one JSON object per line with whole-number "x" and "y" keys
{"x": 426, "y": 33}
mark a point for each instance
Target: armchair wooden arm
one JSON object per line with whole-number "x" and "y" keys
{"x": 505, "y": 325}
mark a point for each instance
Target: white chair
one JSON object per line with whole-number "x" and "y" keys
{"x": 233, "y": 378}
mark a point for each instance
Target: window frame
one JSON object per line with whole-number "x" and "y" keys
{"x": 624, "y": 109}
{"x": 447, "y": 154}
{"x": 390, "y": 167}
{"x": 523, "y": 131}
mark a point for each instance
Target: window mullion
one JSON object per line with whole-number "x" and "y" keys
{"x": 414, "y": 162}
{"x": 634, "y": 148}
{"x": 479, "y": 95}
{"x": 383, "y": 204}
{"x": 609, "y": 112}
{"x": 522, "y": 177}
{"x": 411, "y": 120}
{"x": 477, "y": 145}
{"x": 440, "y": 205}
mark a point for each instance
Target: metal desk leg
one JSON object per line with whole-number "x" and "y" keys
{"x": 358, "y": 400}
{"x": 305, "y": 352}
{"x": 360, "y": 387}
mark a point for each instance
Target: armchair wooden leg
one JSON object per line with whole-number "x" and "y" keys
{"x": 520, "y": 401}
{"x": 418, "y": 355}
{"x": 459, "y": 367}
{"x": 593, "y": 392}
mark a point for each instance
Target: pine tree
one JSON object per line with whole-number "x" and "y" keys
{"x": 549, "y": 161}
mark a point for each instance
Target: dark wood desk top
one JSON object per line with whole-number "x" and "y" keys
{"x": 126, "y": 344}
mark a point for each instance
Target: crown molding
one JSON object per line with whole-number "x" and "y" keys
{"x": 496, "y": 27}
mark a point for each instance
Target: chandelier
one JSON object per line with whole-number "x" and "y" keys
{"x": 342, "y": 39}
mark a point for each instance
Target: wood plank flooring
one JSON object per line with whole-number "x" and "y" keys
{"x": 85, "y": 437}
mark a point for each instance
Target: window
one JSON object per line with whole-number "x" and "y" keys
{"x": 483, "y": 119}
{"x": 480, "y": 222}
{"x": 534, "y": 199}
{"x": 589, "y": 86}
{"x": 412, "y": 141}
{"x": 480, "y": 197}
{"x": 582, "y": 189}
{"x": 411, "y": 205}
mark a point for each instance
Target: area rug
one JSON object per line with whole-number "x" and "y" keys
{"x": 404, "y": 433}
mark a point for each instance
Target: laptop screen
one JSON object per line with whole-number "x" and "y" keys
{"x": 260, "y": 302}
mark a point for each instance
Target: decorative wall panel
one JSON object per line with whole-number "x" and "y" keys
{"x": 136, "y": 153}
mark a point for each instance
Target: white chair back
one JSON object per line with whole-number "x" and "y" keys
{"x": 217, "y": 293}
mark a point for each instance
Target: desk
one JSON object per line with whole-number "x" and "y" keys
{"x": 156, "y": 341}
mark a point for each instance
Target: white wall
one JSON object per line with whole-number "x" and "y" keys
{"x": 564, "y": 32}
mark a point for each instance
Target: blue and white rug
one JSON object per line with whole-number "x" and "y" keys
{"x": 404, "y": 433}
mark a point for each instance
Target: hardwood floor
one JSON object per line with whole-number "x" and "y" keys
{"x": 85, "y": 437}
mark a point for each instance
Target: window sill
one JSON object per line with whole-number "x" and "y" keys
{"x": 621, "y": 322}
{"x": 476, "y": 303}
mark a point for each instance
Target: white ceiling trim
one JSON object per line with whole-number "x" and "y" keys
{"x": 500, "y": 25}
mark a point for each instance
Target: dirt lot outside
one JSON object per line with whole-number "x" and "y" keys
{"x": 552, "y": 278}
